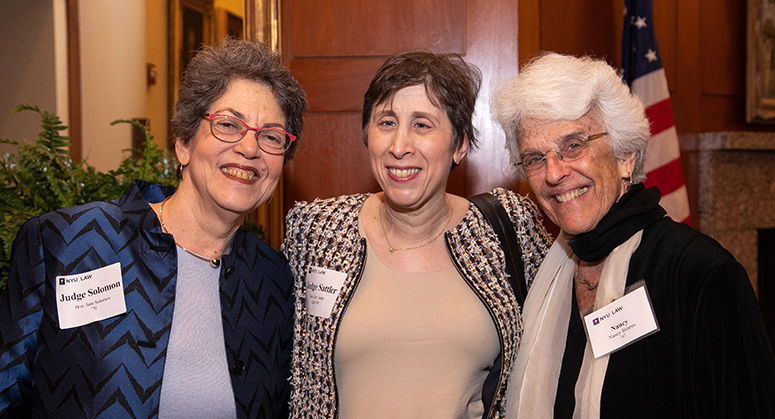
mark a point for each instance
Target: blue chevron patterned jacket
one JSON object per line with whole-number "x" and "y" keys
{"x": 113, "y": 368}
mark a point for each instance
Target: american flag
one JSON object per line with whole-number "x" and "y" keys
{"x": 643, "y": 71}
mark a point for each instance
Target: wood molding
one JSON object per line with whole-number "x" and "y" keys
{"x": 529, "y": 29}
{"x": 179, "y": 51}
{"x": 74, "y": 80}
{"x": 262, "y": 23}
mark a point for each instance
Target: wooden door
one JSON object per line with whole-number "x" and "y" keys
{"x": 334, "y": 47}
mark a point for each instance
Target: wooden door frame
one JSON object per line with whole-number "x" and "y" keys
{"x": 262, "y": 23}
{"x": 73, "y": 81}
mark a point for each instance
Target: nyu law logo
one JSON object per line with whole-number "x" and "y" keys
{"x": 63, "y": 280}
{"x": 597, "y": 320}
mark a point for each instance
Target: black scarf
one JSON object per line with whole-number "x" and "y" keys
{"x": 634, "y": 211}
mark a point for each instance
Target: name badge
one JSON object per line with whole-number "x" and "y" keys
{"x": 624, "y": 321}
{"x": 323, "y": 286}
{"x": 90, "y": 296}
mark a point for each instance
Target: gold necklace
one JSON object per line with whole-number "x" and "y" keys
{"x": 586, "y": 283}
{"x": 392, "y": 249}
{"x": 214, "y": 262}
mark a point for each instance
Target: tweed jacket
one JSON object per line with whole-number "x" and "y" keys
{"x": 325, "y": 234}
{"x": 113, "y": 368}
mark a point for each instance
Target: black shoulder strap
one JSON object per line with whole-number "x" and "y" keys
{"x": 499, "y": 219}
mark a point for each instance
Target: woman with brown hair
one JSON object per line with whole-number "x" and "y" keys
{"x": 404, "y": 308}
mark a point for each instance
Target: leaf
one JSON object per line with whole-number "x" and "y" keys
{"x": 41, "y": 178}
{"x": 49, "y": 137}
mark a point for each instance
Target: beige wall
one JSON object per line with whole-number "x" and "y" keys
{"x": 30, "y": 63}
{"x": 112, "y": 49}
{"x": 117, "y": 40}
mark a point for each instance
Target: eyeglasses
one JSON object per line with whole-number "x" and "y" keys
{"x": 570, "y": 148}
{"x": 230, "y": 130}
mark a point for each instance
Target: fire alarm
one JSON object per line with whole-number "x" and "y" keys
{"x": 150, "y": 74}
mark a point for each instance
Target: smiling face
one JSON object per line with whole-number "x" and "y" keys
{"x": 410, "y": 148}
{"x": 235, "y": 177}
{"x": 575, "y": 195}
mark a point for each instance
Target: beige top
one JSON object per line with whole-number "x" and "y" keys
{"x": 413, "y": 345}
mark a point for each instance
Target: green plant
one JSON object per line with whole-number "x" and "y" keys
{"x": 41, "y": 178}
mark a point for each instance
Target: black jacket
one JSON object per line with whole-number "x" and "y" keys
{"x": 711, "y": 357}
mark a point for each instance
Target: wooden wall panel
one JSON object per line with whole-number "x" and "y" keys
{"x": 491, "y": 44}
{"x": 723, "y": 113}
{"x": 331, "y": 84}
{"x": 686, "y": 92}
{"x": 331, "y": 159}
{"x": 335, "y": 47}
{"x": 529, "y": 29}
{"x": 591, "y": 28}
{"x": 582, "y": 28}
{"x": 347, "y": 28}
{"x": 666, "y": 28}
{"x": 722, "y": 48}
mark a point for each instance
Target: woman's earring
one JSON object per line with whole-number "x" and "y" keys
{"x": 180, "y": 171}
{"x": 626, "y": 183}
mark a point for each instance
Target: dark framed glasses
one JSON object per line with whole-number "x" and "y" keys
{"x": 229, "y": 129}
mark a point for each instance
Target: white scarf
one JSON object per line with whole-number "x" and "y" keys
{"x": 533, "y": 383}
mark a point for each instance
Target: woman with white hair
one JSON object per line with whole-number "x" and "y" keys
{"x": 631, "y": 314}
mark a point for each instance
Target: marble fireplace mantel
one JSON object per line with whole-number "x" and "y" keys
{"x": 735, "y": 189}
